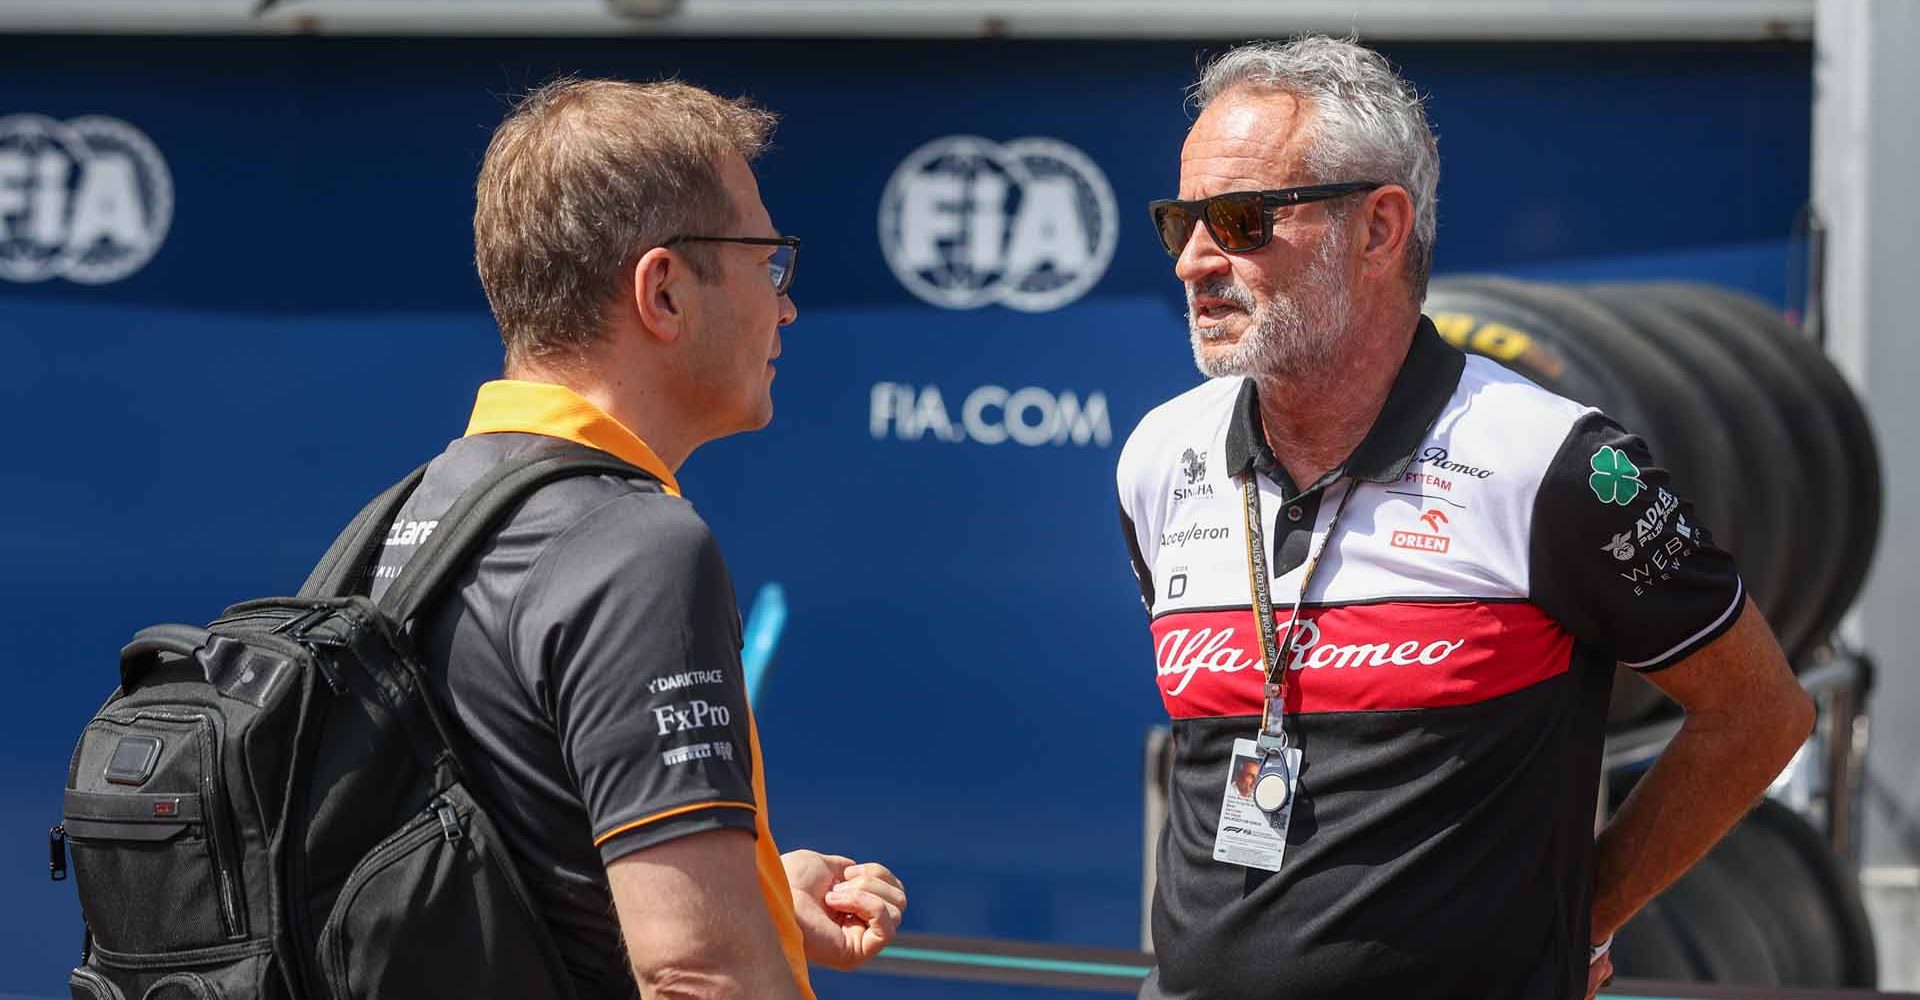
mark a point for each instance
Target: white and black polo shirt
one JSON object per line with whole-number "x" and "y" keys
{"x": 1448, "y": 683}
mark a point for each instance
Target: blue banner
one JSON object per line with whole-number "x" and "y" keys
{"x": 236, "y": 299}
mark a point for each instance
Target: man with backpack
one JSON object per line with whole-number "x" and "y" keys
{"x": 499, "y": 745}
{"x": 591, "y": 654}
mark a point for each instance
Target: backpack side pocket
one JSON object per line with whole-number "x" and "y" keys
{"x": 152, "y": 855}
{"x": 441, "y": 886}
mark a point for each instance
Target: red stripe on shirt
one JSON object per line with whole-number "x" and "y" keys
{"x": 1359, "y": 658}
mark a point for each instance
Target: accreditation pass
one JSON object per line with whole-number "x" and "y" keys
{"x": 1246, "y": 836}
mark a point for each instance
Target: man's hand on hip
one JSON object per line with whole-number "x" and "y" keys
{"x": 1599, "y": 972}
{"x": 848, "y": 912}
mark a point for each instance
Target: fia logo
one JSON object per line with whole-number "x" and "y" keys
{"x": 89, "y": 200}
{"x": 1029, "y": 224}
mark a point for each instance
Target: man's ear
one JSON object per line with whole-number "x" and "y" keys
{"x": 661, "y": 282}
{"x": 1389, "y": 217}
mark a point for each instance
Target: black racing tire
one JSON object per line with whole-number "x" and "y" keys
{"x": 1839, "y": 888}
{"x": 1812, "y": 551}
{"x": 1788, "y": 903}
{"x": 1560, "y": 360}
{"x": 1765, "y": 484}
{"x": 1861, "y": 521}
{"x": 1552, "y": 356}
{"x": 1634, "y": 698}
{"x": 1715, "y": 929}
{"x": 1648, "y": 947}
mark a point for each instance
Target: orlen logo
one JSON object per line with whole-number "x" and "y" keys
{"x": 990, "y": 415}
{"x": 89, "y": 200}
{"x": 1420, "y": 541}
{"x": 1029, "y": 224}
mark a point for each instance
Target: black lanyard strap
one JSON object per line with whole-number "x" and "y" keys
{"x": 1274, "y": 689}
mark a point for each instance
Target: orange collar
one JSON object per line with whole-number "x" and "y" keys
{"x": 510, "y": 405}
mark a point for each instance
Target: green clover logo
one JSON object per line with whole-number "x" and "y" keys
{"x": 1615, "y": 478}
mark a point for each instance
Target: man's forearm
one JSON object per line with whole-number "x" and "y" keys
{"x": 747, "y": 980}
{"x": 734, "y": 964}
{"x": 695, "y": 925}
{"x": 1714, "y": 770}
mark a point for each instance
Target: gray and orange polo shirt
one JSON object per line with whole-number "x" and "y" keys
{"x": 591, "y": 654}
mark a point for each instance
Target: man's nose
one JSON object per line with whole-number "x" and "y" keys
{"x": 1200, "y": 257}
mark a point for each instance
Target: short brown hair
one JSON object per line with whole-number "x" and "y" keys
{"x": 582, "y": 178}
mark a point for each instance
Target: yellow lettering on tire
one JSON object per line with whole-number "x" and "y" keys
{"x": 1500, "y": 342}
{"x": 1454, "y": 327}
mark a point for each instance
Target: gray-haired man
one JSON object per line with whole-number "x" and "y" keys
{"x": 1428, "y": 541}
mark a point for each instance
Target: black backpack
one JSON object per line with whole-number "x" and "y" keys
{"x": 271, "y": 806}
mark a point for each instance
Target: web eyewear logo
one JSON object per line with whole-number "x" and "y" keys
{"x": 89, "y": 200}
{"x": 1615, "y": 478}
{"x": 1661, "y": 561}
{"x": 1029, "y": 224}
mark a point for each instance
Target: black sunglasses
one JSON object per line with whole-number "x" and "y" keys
{"x": 779, "y": 266}
{"x": 1238, "y": 221}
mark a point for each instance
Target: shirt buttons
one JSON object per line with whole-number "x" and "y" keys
{"x": 1294, "y": 513}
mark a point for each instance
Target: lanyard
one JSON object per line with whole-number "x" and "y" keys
{"x": 1273, "y": 735}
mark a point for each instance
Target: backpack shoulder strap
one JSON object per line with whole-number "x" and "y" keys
{"x": 340, "y": 571}
{"x": 477, "y": 513}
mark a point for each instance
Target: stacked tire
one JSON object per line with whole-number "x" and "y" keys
{"x": 1765, "y": 436}
{"x": 1757, "y": 426}
{"x": 1770, "y": 905}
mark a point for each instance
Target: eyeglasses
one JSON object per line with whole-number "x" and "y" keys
{"x": 1238, "y": 221}
{"x": 779, "y": 266}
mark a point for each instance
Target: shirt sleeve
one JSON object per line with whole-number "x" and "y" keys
{"x": 1142, "y": 573}
{"x": 630, "y": 617}
{"x": 1618, "y": 556}
{"x": 1127, "y": 475}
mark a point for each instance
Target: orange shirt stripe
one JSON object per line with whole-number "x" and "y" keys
{"x": 666, "y": 813}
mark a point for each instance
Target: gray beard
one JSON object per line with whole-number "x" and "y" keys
{"x": 1292, "y": 335}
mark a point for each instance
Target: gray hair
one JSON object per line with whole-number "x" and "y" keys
{"x": 1368, "y": 123}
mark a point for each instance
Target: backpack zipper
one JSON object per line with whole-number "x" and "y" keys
{"x": 450, "y": 827}
{"x": 383, "y": 855}
{"x": 57, "y": 852}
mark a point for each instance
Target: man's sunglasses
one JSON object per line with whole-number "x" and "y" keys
{"x": 779, "y": 266}
{"x": 1238, "y": 221}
